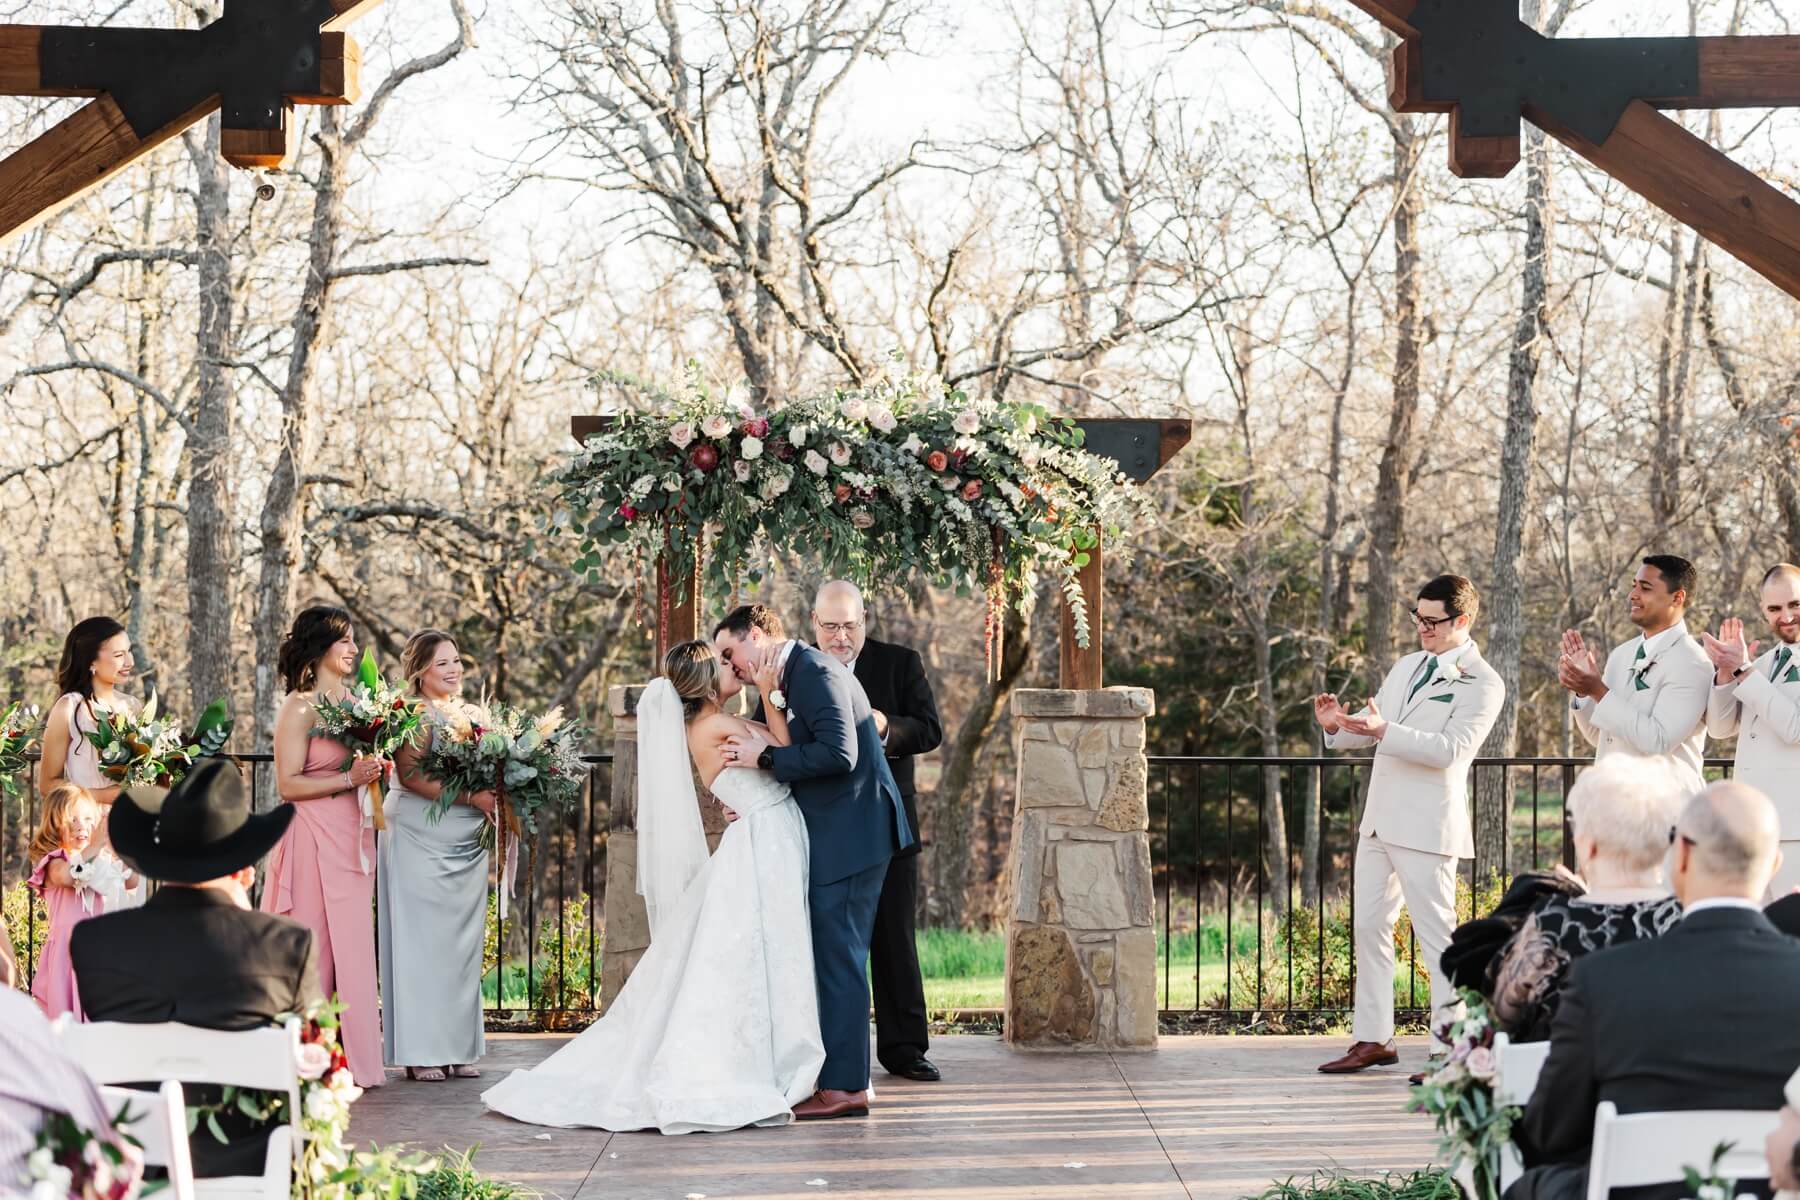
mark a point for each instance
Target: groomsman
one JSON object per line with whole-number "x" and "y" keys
{"x": 1757, "y": 700}
{"x": 1444, "y": 698}
{"x": 907, "y": 718}
{"x": 1651, "y": 699}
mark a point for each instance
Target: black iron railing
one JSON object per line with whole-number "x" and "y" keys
{"x": 544, "y": 956}
{"x": 1253, "y": 924}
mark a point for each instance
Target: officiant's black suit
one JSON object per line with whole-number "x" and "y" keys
{"x": 894, "y": 678}
{"x": 1702, "y": 1017}
{"x": 191, "y": 955}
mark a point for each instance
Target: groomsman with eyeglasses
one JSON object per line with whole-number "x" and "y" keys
{"x": 1415, "y": 826}
{"x": 1757, "y": 700}
{"x": 906, "y": 716}
{"x": 1651, "y": 698}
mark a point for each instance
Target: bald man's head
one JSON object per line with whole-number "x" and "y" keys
{"x": 839, "y": 624}
{"x": 1728, "y": 843}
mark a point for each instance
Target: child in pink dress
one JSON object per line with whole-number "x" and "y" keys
{"x": 74, "y": 885}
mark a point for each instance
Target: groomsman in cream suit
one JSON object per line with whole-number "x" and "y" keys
{"x": 1651, "y": 699}
{"x": 1426, "y": 723}
{"x": 1758, "y": 701}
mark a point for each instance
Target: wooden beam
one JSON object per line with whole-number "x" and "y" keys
{"x": 1479, "y": 157}
{"x": 340, "y": 71}
{"x": 1742, "y": 72}
{"x": 1080, "y": 668}
{"x": 1393, "y": 14}
{"x": 260, "y": 149}
{"x": 1692, "y": 181}
{"x": 73, "y": 157}
{"x": 676, "y": 622}
{"x": 347, "y": 11}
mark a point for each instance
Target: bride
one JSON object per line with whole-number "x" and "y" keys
{"x": 718, "y": 1026}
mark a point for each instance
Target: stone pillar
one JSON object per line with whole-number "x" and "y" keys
{"x": 1081, "y": 911}
{"x": 626, "y": 925}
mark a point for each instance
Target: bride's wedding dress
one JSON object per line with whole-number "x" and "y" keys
{"x": 718, "y": 1027}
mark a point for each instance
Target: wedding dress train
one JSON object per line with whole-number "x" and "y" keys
{"x": 718, "y": 1027}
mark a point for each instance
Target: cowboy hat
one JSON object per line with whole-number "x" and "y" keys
{"x": 199, "y": 830}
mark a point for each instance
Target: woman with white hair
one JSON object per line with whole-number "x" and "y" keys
{"x": 1620, "y": 813}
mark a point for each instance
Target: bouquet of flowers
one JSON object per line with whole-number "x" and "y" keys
{"x": 18, "y": 733}
{"x": 376, "y": 719}
{"x": 150, "y": 748}
{"x": 328, "y": 1168}
{"x": 71, "y": 1163}
{"x": 102, "y": 875}
{"x": 534, "y": 763}
{"x": 1459, "y": 1095}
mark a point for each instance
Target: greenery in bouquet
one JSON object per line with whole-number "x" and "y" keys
{"x": 150, "y": 747}
{"x": 374, "y": 717}
{"x": 20, "y": 724}
{"x": 534, "y": 762}
{"x": 73, "y": 1163}
{"x": 1458, "y": 1094}
{"x": 900, "y": 475}
{"x": 327, "y": 1169}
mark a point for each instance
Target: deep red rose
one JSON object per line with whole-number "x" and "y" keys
{"x": 781, "y": 449}
{"x": 704, "y": 455}
{"x": 958, "y": 458}
{"x": 936, "y": 460}
{"x": 972, "y": 490}
{"x": 756, "y": 427}
{"x": 628, "y": 512}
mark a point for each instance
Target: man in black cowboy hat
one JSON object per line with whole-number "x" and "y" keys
{"x": 197, "y": 952}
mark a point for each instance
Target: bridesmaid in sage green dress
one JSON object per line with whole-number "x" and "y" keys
{"x": 432, "y": 886}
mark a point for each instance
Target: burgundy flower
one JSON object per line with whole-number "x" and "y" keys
{"x": 757, "y": 427}
{"x": 704, "y": 455}
{"x": 781, "y": 449}
{"x": 958, "y": 458}
{"x": 628, "y": 512}
{"x": 937, "y": 460}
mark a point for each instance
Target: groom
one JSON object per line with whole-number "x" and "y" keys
{"x": 854, "y": 822}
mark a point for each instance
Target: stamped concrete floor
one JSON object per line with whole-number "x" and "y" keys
{"x": 1203, "y": 1118}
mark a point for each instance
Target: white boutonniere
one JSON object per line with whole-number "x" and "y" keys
{"x": 1453, "y": 673}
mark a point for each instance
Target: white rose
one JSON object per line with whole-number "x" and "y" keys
{"x": 741, "y": 469}
{"x": 862, "y": 520}
{"x": 312, "y": 1060}
{"x": 857, "y": 409}
{"x": 840, "y": 453}
{"x": 815, "y": 462}
{"x": 681, "y": 434}
{"x": 966, "y": 422}
{"x": 751, "y": 449}
{"x": 1481, "y": 1063}
{"x": 38, "y": 1164}
{"x": 797, "y": 436}
{"x": 882, "y": 418}
{"x": 783, "y": 483}
{"x": 321, "y": 1105}
{"x": 912, "y": 444}
{"x": 716, "y": 426}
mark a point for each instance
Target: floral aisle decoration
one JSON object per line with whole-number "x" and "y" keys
{"x": 326, "y": 1167}
{"x": 1458, "y": 1094}
{"x": 906, "y": 474}
{"x": 374, "y": 718}
{"x": 149, "y": 746}
{"x": 20, "y": 724}
{"x": 532, "y": 762}
{"x": 73, "y": 1163}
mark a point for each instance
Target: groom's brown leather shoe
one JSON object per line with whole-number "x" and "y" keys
{"x": 827, "y": 1103}
{"x": 1362, "y": 1055}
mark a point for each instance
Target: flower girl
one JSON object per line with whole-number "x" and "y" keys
{"x": 74, "y": 887}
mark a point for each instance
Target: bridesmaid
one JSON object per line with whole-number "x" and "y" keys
{"x": 319, "y": 873}
{"x": 96, "y": 659}
{"x": 433, "y": 893}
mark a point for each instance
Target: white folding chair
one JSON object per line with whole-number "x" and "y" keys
{"x": 1651, "y": 1148}
{"x": 113, "y": 1052}
{"x": 158, "y": 1120}
{"x": 1515, "y": 1077}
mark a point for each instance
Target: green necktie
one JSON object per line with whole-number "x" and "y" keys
{"x": 1640, "y": 655}
{"x": 1781, "y": 661}
{"x": 1424, "y": 677}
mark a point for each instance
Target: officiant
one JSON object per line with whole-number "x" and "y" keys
{"x": 906, "y": 716}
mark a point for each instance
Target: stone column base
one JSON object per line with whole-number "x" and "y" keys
{"x": 1081, "y": 938}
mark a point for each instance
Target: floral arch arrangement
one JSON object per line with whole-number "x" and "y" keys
{"x": 902, "y": 476}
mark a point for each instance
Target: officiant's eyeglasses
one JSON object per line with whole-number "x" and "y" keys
{"x": 1675, "y": 832}
{"x": 1427, "y": 624}
{"x": 840, "y": 626}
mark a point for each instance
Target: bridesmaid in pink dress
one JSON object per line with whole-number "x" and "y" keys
{"x": 322, "y": 872}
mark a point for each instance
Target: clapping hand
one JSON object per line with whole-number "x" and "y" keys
{"x": 1369, "y": 723}
{"x": 1577, "y": 670}
{"x": 1328, "y": 712}
{"x": 1728, "y": 651}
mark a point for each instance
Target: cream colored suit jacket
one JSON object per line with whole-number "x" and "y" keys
{"x": 1665, "y": 719}
{"x": 1419, "y": 786}
{"x": 1764, "y": 714}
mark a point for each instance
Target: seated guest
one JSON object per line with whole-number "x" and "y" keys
{"x": 1620, "y": 811}
{"x": 197, "y": 952}
{"x": 36, "y": 1080}
{"x": 1699, "y": 1018}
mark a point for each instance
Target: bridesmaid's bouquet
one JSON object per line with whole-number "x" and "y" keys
{"x": 149, "y": 747}
{"x": 19, "y": 724}
{"x": 375, "y": 719}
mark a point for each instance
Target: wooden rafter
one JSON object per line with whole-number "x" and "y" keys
{"x": 1600, "y": 97}
{"x": 255, "y": 63}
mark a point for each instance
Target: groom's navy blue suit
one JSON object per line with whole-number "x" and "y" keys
{"x": 854, "y": 823}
